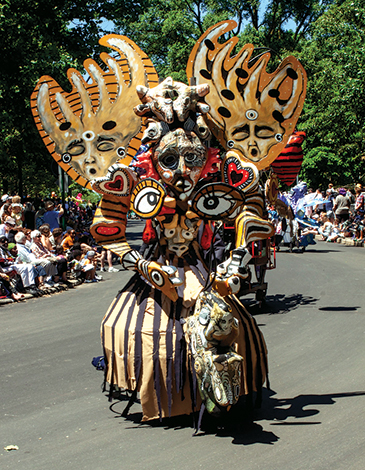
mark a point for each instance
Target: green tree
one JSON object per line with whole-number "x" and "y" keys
{"x": 168, "y": 29}
{"x": 37, "y": 37}
{"x": 334, "y": 111}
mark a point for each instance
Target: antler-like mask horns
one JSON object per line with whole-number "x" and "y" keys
{"x": 251, "y": 111}
{"x": 94, "y": 126}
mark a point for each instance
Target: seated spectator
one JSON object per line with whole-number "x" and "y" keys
{"x": 325, "y": 229}
{"x": 335, "y": 233}
{"x": 89, "y": 266}
{"x": 76, "y": 266}
{"x": 7, "y": 227}
{"x": 62, "y": 265}
{"x": 69, "y": 239}
{"x": 27, "y": 272}
{"x": 56, "y": 237}
{"x": 27, "y": 233}
{"x": 7, "y": 289}
{"x": 46, "y": 259}
{"x": 45, "y": 232}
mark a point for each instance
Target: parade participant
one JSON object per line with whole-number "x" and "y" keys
{"x": 177, "y": 329}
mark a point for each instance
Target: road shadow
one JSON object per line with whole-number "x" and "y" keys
{"x": 280, "y": 409}
{"x": 241, "y": 423}
{"x": 279, "y": 303}
{"x": 338, "y": 309}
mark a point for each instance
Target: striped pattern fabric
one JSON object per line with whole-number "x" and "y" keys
{"x": 288, "y": 164}
{"x": 146, "y": 345}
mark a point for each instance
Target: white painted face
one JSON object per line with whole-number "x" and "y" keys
{"x": 255, "y": 135}
{"x": 92, "y": 155}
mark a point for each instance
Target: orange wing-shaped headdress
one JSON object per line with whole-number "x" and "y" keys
{"x": 93, "y": 127}
{"x": 251, "y": 112}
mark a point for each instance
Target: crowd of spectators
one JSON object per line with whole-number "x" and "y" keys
{"x": 38, "y": 256}
{"x": 334, "y": 215}
{"x": 342, "y": 215}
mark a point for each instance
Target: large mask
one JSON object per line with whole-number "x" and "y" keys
{"x": 179, "y": 159}
{"x": 94, "y": 126}
{"x": 251, "y": 111}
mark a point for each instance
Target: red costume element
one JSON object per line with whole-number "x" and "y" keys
{"x": 149, "y": 233}
{"x": 145, "y": 163}
{"x": 289, "y": 162}
{"x": 207, "y": 237}
{"x": 213, "y": 163}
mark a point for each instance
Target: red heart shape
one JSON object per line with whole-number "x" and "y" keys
{"x": 236, "y": 176}
{"x": 116, "y": 185}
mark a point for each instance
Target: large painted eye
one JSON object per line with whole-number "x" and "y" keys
{"x": 147, "y": 198}
{"x": 217, "y": 201}
{"x": 76, "y": 148}
{"x": 88, "y": 135}
{"x": 187, "y": 235}
{"x": 190, "y": 159}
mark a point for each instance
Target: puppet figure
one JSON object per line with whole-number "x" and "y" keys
{"x": 176, "y": 333}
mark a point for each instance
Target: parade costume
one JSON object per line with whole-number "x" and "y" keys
{"x": 177, "y": 333}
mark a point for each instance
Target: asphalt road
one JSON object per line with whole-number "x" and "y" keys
{"x": 53, "y": 409}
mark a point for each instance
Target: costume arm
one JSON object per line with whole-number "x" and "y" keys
{"x": 109, "y": 226}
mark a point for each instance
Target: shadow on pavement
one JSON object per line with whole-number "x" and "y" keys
{"x": 279, "y": 303}
{"x": 338, "y": 309}
{"x": 281, "y": 409}
{"x": 241, "y": 423}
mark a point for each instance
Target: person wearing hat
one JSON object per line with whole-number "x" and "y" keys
{"x": 6, "y": 198}
{"x": 359, "y": 202}
{"x": 51, "y": 216}
{"x": 7, "y": 226}
{"x": 89, "y": 266}
{"x": 342, "y": 206}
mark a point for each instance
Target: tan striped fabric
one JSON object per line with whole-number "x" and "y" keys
{"x": 146, "y": 344}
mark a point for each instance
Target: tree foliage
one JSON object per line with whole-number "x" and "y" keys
{"x": 37, "y": 38}
{"x": 334, "y": 112}
{"x": 41, "y": 37}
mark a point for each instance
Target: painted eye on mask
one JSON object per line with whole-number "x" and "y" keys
{"x": 147, "y": 198}
{"x": 217, "y": 201}
{"x": 170, "y": 161}
{"x": 191, "y": 159}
